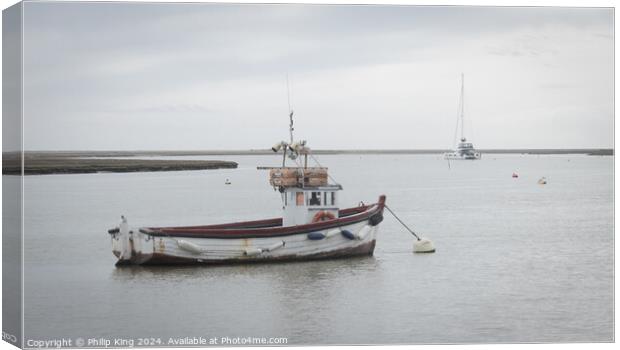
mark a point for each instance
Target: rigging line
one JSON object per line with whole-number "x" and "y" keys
{"x": 462, "y": 105}
{"x": 319, "y": 164}
{"x": 456, "y": 129}
{"x": 471, "y": 128}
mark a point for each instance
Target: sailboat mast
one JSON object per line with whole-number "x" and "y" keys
{"x": 462, "y": 106}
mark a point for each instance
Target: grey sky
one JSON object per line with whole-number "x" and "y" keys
{"x": 123, "y": 76}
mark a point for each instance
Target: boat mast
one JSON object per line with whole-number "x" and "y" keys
{"x": 462, "y": 107}
{"x": 292, "y": 144}
{"x": 285, "y": 147}
{"x": 290, "y": 110}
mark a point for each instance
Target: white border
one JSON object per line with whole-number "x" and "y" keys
{"x": 537, "y": 3}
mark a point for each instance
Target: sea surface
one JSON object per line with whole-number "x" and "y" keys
{"x": 516, "y": 261}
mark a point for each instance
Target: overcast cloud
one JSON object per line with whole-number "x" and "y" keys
{"x": 123, "y": 76}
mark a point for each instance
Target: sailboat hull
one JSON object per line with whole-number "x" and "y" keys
{"x": 458, "y": 156}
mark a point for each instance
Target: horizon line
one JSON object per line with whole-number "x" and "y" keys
{"x": 342, "y": 150}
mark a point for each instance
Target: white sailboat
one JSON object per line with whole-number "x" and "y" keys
{"x": 464, "y": 150}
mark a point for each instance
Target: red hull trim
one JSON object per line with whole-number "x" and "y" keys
{"x": 233, "y": 231}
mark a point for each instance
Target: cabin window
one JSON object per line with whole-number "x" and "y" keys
{"x": 325, "y": 198}
{"x": 299, "y": 198}
{"x": 333, "y": 198}
{"x": 315, "y": 198}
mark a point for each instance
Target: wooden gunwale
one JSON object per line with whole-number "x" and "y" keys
{"x": 261, "y": 223}
{"x": 250, "y": 230}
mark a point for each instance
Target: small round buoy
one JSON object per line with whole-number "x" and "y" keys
{"x": 423, "y": 245}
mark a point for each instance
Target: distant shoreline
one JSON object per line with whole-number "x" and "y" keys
{"x": 85, "y": 162}
{"x": 38, "y": 154}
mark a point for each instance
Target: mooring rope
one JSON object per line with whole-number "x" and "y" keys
{"x": 401, "y": 222}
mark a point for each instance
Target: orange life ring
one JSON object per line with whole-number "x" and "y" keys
{"x": 323, "y": 216}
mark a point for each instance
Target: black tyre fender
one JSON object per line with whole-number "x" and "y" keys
{"x": 375, "y": 219}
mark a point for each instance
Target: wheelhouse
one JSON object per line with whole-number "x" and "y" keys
{"x": 302, "y": 205}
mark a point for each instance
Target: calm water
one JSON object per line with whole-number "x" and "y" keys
{"x": 515, "y": 261}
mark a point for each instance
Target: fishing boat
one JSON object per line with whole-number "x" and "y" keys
{"x": 464, "y": 150}
{"x": 312, "y": 225}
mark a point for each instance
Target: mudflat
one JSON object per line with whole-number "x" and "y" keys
{"x": 77, "y": 162}
{"x": 43, "y": 163}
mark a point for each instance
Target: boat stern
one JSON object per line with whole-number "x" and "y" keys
{"x": 130, "y": 246}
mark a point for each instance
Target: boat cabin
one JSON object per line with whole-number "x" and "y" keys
{"x": 465, "y": 146}
{"x": 307, "y": 195}
{"x": 303, "y": 205}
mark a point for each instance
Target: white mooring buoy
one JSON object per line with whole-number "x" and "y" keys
{"x": 423, "y": 245}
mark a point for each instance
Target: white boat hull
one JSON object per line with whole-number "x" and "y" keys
{"x": 136, "y": 247}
